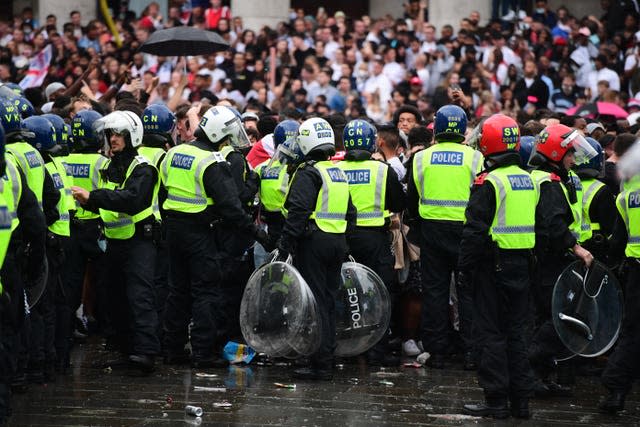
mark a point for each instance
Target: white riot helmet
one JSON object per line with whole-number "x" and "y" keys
{"x": 121, "y": 123}
{"x": 316, "y": 134}
{"x": 220, "y": 122}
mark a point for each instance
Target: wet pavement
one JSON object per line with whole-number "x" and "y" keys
{"x": 359, "y": 395}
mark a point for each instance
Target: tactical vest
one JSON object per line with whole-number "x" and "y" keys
{"x": 575, "y": 227}
{"x": 119, "y": 225}
{"x": 590, "y": 189}
{"x": 62, "y": 183}
{"x": 273, "y": 185}
{"x": 368, "y": 188}
{"x": 182, "y": 173}
{"x": 444, "y": 174}
{"x": 333, "y": 198}
{"x": 154, "y": 154}
{"x": 514, "y": 223}
{"x": 11, "y": 194}
{"x": 85, "y": 169}
{"x": 628, "y": 203}
{"x": 31, "y": 163}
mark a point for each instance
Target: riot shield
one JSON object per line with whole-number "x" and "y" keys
{"x": 278, "y": 313}
{"x": 587, "y": 308}
{"x": 363, "y": 310}
{"x": 35, "y": 285}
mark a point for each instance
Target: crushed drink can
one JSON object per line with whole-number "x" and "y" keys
{"x": 195, "y": 411}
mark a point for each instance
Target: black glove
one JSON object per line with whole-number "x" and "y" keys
{"x": 285, "y": 248}
{"x": 262, "y": 237}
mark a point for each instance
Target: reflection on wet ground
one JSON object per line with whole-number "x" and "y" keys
{"x": 358, "y": 395}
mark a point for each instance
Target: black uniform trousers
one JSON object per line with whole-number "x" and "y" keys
{"x": 82, "y": 249}
{"x": 51, "y": 315}
{"x": 439, "y": 248}
{"x": 371, "y": 246}
{"x": 623, "y": 365}
{"x": 236, "y": 268}
{"x": 319, "y": 259}
{"x": 161, "y": 280}
{"x": 194, "y": 289}
{"x": 501, "y": 302}
{"x": 12, "y": 320}
{"x": 546, "y": 346}
{"x": 132, "y": 297}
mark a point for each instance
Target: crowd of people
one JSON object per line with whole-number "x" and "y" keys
{"x": 140, "y": 192}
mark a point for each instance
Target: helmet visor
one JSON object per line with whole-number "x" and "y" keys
{"x": 287, "y": 153}
{"x": 237, "y": 135}
{"x": 7, "y": 93}
{"x": 583, "y": 150}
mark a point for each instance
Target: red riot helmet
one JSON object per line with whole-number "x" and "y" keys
{"x": 553, "y": 143}
{"x": 500, "y": 134}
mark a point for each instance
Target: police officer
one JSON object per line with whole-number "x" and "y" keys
{"x": 558, "y": 148}
{"x": 31, "y": 164}
{"x": 84, "y": 165}
{"x": 238, "y": 265}
{"x": 598, "y": 205}
{"x": 58, "y": 253}
{"x": 376, "y": 193}
{"x": 29, "y": 161}
{"x": 126, "y": 207}
{"x": 23, "y": 223}
{"x": 274, "y": 182}
{"x": 438, "y": 192}
{"x": 622, "y": 366}
{"x": 496, "y": 249}
{"x": 319, "y": 211}
{"x": 201, "y": 193}
{"x": 43, "y": 136}
{"x": 158, "y": 123}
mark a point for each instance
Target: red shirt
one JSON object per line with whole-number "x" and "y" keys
{"x": 212, "y": 16}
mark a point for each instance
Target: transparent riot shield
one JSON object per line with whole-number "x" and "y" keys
{"x": 34, "y": 286}
{"x": 363, "y": 310}
{"x": 278, "y": 313}
{"x": 587, "y": 308}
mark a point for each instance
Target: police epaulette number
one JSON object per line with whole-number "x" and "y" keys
{"x": 555, "y": 177}
{"x": 142, "y": 160}
{"x": 480, "y": 179}
{"x": 218, "y": 157}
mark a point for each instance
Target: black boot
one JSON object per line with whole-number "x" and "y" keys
{"x": 520, "y": 408}
{"x": 143, "y": 362}
{"x": 492, "y": 407}
{"x": 436, "y": 361}
{"x": 613, "y": 403}
{"x": 375, "y": 358}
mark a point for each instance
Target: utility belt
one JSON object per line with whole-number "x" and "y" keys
{"x": 85, "y": 222}
{"x": 499, "y": 254}
{"x": 148, "y": 229}
{"x": 202, "y": 219}
{"x": 378, "y": 229}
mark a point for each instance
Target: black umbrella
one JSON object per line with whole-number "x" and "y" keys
{"x": 183, "y": 41}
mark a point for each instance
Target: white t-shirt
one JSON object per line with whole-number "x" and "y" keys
{"x": 604, "y": 74}
{"x": 397, "y": 166}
